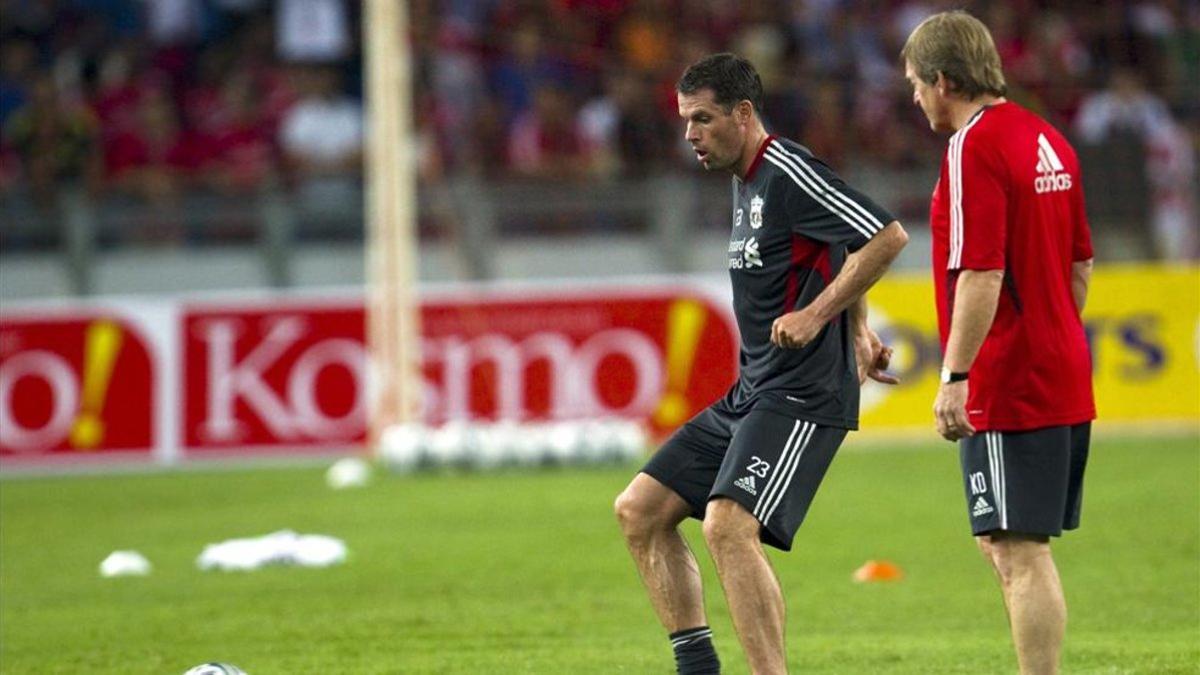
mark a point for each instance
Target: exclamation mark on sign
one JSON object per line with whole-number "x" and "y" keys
{"x": 684, "y": 325}
{"x": 100, "y": 354}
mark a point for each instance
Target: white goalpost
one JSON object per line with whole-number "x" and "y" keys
{"x": 394, "y": 433}
{"x": 393, "y": 320}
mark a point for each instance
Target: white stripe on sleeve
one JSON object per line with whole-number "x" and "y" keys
{"x": 956, "y": 193}
{"x": 801, "y": 163}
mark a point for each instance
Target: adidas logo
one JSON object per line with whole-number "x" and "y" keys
{"x": 1050, "y": 166}
{"x": 981, "y": 508}
{"x": 747, "y": 484}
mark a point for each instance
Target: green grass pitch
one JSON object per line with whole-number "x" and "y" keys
{"x": 524, "y": 572}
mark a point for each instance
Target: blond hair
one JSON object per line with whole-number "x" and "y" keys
{"x": 960, "y": 47}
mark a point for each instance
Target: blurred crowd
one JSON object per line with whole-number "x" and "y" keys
{"x": 148, "y": 99}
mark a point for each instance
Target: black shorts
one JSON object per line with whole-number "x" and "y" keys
{"x": 1025, "y": 481}
{"x": 768, "y": 462}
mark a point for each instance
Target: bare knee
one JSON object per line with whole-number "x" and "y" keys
{"x": 630, "y": 513}
{"x": 646, "y": 506}
{"x": 729, "y": 527}
{"x": 1015, "y": 556}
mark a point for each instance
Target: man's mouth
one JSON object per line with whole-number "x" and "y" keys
{"x": 701, "y": 154}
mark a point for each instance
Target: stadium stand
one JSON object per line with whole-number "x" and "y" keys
{"x": 146, "y": 127}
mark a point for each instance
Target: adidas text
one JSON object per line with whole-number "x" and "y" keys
{"x": 1055, "y": 182}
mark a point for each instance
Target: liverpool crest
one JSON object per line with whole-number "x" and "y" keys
{"x": 756, "y": 207}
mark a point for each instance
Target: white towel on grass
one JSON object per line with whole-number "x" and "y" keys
{"x": 278, "y": 548}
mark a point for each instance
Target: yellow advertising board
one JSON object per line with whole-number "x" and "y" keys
{"x": 1143, "y": 324}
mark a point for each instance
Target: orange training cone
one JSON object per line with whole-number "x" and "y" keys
{"x": 878, "y": 570}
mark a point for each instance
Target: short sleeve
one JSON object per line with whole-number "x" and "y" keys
{"x": 978, "y": 206}
{"x": 1081, "y": 237}
{"x": 821, "y": 206}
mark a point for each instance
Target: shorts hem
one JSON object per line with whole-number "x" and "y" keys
{"x": 769, "y": 535}
{"x": 1039, "y": 532}
{"x": 698, "y": 515}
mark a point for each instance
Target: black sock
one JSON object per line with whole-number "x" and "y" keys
{"x": 694, "y": 652}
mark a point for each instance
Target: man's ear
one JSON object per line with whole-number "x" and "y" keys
{"x": 944, "y": 85}
{"x": 744, "y": 110}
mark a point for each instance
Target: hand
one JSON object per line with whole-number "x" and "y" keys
{"x": 872, "y": 357}
{"x": 950, "y": 411}
{"x": 795, "y": 329}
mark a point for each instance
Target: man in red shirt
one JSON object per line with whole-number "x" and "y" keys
{"x": 1012, "y": 257}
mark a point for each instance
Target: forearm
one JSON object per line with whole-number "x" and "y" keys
{"x": 858, "y": 312}
{"x": 862, "y": 269}
{"x": 975, "y": 298}
{"x": 1081, "y": 276}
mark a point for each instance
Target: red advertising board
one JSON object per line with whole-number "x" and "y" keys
{"x": 258, "y": 375}
{"x": 295, "y": 375}
{"x": 78, "y": 385}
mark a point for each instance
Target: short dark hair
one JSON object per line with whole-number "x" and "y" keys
{"x": 731, "y": 78}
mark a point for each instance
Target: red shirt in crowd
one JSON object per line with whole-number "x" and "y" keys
{"x": 245, "y": 154}
{"x": 1010, "y": 197}
{"x": 130, "y": 150}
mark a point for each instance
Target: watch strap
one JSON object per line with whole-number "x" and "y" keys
{"x": 949, "y": 376}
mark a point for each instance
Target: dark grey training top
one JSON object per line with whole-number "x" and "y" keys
{"x": 794, "y": 222}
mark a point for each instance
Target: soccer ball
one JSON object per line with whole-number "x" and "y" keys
{"x": 348, "y": 472}
{"x": 403, "y": 446}
{"x": 215, "y": 669}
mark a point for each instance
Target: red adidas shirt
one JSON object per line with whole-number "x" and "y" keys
{"x": 1010, "y": 197}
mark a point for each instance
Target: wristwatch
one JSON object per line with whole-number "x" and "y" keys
{"x": 949, "y": 376}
